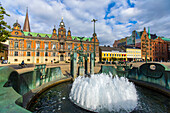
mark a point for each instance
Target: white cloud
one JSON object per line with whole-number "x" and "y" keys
{"x": 77, "y": 14}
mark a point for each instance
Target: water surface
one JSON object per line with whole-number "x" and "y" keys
{"x": 56, "y": 100}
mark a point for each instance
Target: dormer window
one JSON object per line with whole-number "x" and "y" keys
{"x": 46, "y": 36}
{"x": 29, "y": 34}
{"x": 38, "y": 35}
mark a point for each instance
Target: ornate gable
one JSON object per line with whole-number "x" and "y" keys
{"x": 16, "y": 30}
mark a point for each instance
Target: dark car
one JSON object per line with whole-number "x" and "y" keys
{"x": 4, "y": 61}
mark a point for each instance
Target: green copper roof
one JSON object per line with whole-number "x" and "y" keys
{"x": 84, "y": 39}
{"x": 166, "y": 39}
{"x": 149, "y": 33}
{"x": 35, "y": 34}
{"x": 49, "y": 35}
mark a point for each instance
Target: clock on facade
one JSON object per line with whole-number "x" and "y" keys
{"x": 61, "y": 23}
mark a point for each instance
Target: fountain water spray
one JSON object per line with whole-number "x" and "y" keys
{"x": 103, "y": 92}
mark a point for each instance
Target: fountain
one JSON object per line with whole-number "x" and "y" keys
{"x": 102, "y": 93}
{"x": 98, "y": 93}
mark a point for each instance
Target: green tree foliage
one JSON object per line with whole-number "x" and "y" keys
{"x": 4, "y": 28}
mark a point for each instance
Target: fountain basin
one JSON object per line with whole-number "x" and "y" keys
{"x": 101, "y": 92}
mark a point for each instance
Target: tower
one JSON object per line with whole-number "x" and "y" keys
{"x": 26, "y": 27}
{"x": 149, "y": 35}
{"x": 69, "y": 34}
{"x": 16, "y": 29}
{"x": 54, "y": 34}
{"x": 62, "y": 30}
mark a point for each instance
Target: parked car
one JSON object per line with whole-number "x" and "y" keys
{"x": 4, "y": 61}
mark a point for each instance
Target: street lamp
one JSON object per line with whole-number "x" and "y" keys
{"x": 94, "y": 34}
{"x": 146, "y": 49}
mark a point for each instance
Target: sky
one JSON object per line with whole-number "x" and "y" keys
{"x": 116, "y": 18}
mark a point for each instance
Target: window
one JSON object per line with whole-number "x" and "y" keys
{"x": 16, "y": 45}
{"x": 37, "y": 53}
{"x": 54, "y": 46}
{"x": 61, "y": 46}
{"x": 28, "y": 54}
{"x": 104, "y": 54}
{"x": 46, "y": 46}
{"x": 28, "y": 45}
{"x": 107, "y": 54}
{"x": 54, "y": 54}
{"x": 68, "y": 47}
{"x": 75, "y": 46}
{"x": 110, "y": 54}
{"x": 46, "y": 53}
{"x": 46, "y": 59}
{"x": 15, "y": 60}
{"x": 87, "y": 47}
{"x": 68, "y": 54}
{"x": 54, "y": 59}
{"x": 37, "y": 46}
{"x": 16, "y": 53}
{"x": 28, "y": 60}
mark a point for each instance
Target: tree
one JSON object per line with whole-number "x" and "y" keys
{"x": 4, "y": 28}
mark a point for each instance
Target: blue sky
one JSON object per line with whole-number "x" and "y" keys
{"x": 116, "y": 18}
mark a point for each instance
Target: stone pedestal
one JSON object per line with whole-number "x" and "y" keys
{"x": 81, "y": 71}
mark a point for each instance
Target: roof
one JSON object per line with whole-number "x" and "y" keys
{"x": 131, "y": 47}
{"x": 103, "y": 48}
{"x": 153, "y": 36}
{"x": 84, "y": 39}
{"x": 166, "y": 39}
{"x": 35, "y": 34}
{"x": 49, "y": 35}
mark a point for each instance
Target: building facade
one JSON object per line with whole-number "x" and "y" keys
{"x": 111, "y": 54}
{"x": 133, "y": 54}
{"x": 114, "y": 56}
{"x": 45, "y": 48}
{"x": 120, "y": 43}
{"x": 153, "y": 49}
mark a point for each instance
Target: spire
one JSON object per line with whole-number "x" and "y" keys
{"x": 26, "y": 23}
{"x": 144, "y": 29}
{"x": 149, "y": 33}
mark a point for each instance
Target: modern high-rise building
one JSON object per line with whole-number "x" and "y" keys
{"x": 46, "y": 48}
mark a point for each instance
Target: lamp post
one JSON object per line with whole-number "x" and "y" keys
{"x": 146, "y": 49}
{"x": 94, "y": 34}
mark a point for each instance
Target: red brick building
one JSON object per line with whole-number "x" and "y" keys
{"x": 154, "y": 49}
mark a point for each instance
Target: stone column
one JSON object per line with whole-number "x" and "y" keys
{"x": 74, "y": 65}
{"x": 86, "y": 66}
{"x": 92, "y": 63}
